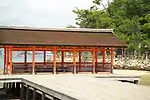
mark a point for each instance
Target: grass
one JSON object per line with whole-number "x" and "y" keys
{"x": 145, "y": 80}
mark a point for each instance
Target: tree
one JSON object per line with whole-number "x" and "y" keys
{"x": 130, "y": 20}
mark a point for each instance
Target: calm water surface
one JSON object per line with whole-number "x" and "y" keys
{"x": 38, "y": 58}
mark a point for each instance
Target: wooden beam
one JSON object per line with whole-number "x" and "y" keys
{"x": 33, "y": 61}
{"x": 54, "y": 60}
{"x": 74, "y": 60}
{"x": 10, "y": 59}
{"x": 93, "y": 60}
{"x": 59, "y": 48}
{"x": 112, "y": 57}
{"x": 48, "y": 49}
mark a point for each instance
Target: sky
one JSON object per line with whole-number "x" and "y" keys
{"x": 40, "y": 13}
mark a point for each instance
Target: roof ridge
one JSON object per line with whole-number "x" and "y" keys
{"x": 58, "y": 29}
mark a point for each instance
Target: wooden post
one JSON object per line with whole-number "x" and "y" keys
{"x": 7, "y": 59}
{"x": 4, "y": 85}
{"x": 96, "y": 59}
{"x": 104, "y": 57}
{"x": 54, "y": 60}
{"x": 79, "y": 61}
{"x": 7, "y": 87}
{"x": 62, "y": 58}
{"x": 112, "y": 57}
{"x": 33, "y": 61}
{"x": 43, "y": 96}
{"x": 34, "y": 94}
{"x": 10, "y": 59}
{"x": 25, "y": 57}
{"x": 44, "y": 58}
{"x": 27, "y": 92}
{"x": 22, "y": 92}
{"x": 10, "y": 86}
{"x": 13, "y": 87}
{"x": 74, "y": 60}
{"x": 62, "y": 61}
{"x": 17, "y": 89}
{"x": 5, "y": 55}
{"x": 93, "y": 59}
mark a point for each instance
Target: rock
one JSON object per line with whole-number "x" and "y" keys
{"x": 135, "y": 64}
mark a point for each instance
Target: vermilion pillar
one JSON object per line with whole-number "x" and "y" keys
{"x": 10, "y": 59}
{"x": 33, "y": 61}
{"x": 54, "y": 60}
{"x": 112, "y": 57}
{"x": 79, "y": 61}
{"x": 7, "y": 59}
{"x": 96, "y": 59}
{"x": 62, "y": 58}
{"x": 104, "y": 57}
{"x": 25, "y": 57}
{"x": 74, "y": 60}
{"x": 5, "y": 55}
{"x": 44, "y": 58}
{"x": 93, "y": 60}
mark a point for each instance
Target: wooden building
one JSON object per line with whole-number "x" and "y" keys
{"x": 62, "y": 40}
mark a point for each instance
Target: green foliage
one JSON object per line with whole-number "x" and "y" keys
{"x": 86, "y": 56}
{"x": 146, "y": 26}
{"x": 147, "y": 18}
{"x": 130, "y": 20}
{"x": 92, "y": 18}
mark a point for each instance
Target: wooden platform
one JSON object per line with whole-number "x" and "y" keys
{"x": 86, "y": 86}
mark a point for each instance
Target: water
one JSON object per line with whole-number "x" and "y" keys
{"x": 38, "y": 58}
{"x": 1, "y": 61}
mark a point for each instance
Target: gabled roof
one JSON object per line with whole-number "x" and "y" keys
{"x": 59, "y": 37}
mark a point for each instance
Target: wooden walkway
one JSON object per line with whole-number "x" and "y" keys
{"x": 88, "y": 86}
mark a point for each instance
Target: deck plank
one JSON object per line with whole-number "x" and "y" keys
{"x": 89, "y": 87}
